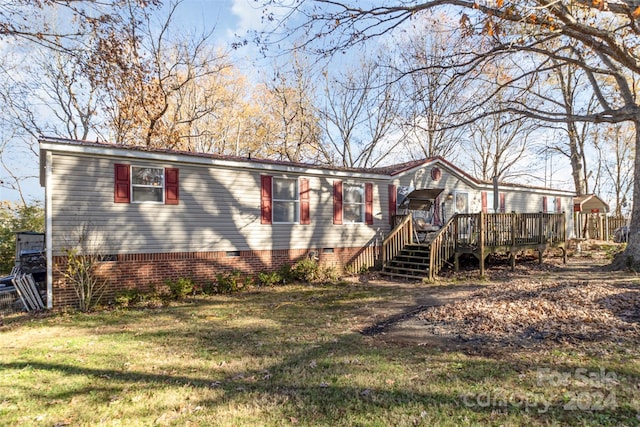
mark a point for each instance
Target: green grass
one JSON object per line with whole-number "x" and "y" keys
{"x": 288, "y": 356}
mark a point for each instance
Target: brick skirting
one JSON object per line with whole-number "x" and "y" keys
{"x": 150, "y": 271}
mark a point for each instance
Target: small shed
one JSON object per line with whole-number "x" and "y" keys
{"x": 590, "y": 217}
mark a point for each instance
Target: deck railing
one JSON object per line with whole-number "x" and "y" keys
{"x": 478, "y": 234}
{"x": 443, "y": 247}
{"x": 398, "y": 238}
{"x": 496, "y": 230}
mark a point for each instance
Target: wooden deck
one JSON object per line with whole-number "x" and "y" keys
{"x": 482, "y": 234}
{"x": 477, "y": 234}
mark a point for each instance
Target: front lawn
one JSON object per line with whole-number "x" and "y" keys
{"x": 294, "y": 355}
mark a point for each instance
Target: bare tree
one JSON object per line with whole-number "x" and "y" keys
{"x": 498, "y": 143}
{"x": 145, "y": 72}
{"x": 360, "y": 110}
{"x": 54, "y": 24}
{"x": 434, "y": 90}
{"x": 295, "y": 135}
{"x": 617, "y": 141}
{"x": 84, "y": 253}
{"x": 598, "y": 37}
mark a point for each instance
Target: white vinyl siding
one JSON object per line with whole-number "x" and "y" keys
{"x": 219, "y": 210}
{"x": 517, "y": 199}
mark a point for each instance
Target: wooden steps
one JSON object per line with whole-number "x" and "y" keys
{"x": 411, "y": 263}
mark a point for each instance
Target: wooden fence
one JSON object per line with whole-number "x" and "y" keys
{"x": 598, "y": 226}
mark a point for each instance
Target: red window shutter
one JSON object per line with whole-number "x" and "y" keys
{"x": 544, "y": 204}
{"x": 305, "y": 218}
{"x": 483, "y": 196}
{"x": 503, "y": 204}
{"x": 393, "y": 202}
{"x": 122, "y": 184}
{"x": 337, "y": 202}
{"x": 171, "y": 187}
{"x": 368, "y": 203}
{"x": 265, "y": 199}
{"x": 558, "y": 205}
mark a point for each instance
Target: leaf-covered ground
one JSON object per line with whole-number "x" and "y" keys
{"x": 530, "y": 310}
{"x": 535, "y": 305}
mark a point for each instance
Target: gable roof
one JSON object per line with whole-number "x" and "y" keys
{"x": 588, "y": 202}
{"x": 407, "y": 167}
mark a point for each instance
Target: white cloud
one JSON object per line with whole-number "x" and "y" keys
{"x": 249, "y": 15}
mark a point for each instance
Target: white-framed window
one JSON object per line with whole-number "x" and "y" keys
{"x": 286, "y": 201}
{"x": 147, "y": 184}
{"x": 353, "y": 202}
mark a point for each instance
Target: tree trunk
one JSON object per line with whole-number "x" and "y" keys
{"x": 577, "y": 167}
{"x": 630, "y": 258}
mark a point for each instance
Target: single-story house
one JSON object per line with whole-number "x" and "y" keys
{"x": 162, "y": 214}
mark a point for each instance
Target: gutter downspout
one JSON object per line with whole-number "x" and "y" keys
{"x": 48, "y": 226}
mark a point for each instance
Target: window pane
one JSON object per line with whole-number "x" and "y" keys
{"x": 285, "y": 211}
{"x": 147, "y": 176}
{"x": 147, "y": 194}
{"x": 285, "y": 189}
{"x": 353, "y": 213}
{"x": 490, "y": 202}
{"x": 353, "y": 193}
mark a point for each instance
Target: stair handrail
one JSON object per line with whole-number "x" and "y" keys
{"x": 443, "y": 247}
{"x": 397, "y": 239}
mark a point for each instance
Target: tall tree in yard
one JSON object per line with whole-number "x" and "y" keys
{"x": 54, "y": 23}
{"x": 290, "y": 100}
{"x": 433, "y": 90}
{"x": 46, "y": 90}
{"x": 616, "y": 152}
{"x": 497, "y": 144}
{"x": 146, "y": 73}
{"x": 599, "y": 37}
{"x": 359, "y": 112}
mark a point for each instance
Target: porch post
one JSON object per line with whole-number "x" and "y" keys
{"x": 541, "y": 236}
{"x": 482, "y": 242}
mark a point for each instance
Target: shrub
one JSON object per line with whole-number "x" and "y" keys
{"x": 350, "y": 270}
{"x": 306, "y": 270}
{"x": 136, "y": 298}
{"x": 80, "y": 273}
{"x": 180, "y": 288}
{"x": 329, "y": 274}
{"x": 248, "y": 282}
{"x": 128, "y": 298}
{"x": 286, "y": 273}
{"x": 269, "y": 279}
{"x": 209, "y": 288}
{"x": 228, "y": 283}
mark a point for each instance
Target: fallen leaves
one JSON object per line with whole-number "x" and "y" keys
{"x": 527, "y": 309}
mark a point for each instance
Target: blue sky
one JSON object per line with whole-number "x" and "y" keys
{"x": 228, "y": 19}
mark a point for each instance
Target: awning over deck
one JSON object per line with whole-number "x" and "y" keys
{"x": 423, "y": 198}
